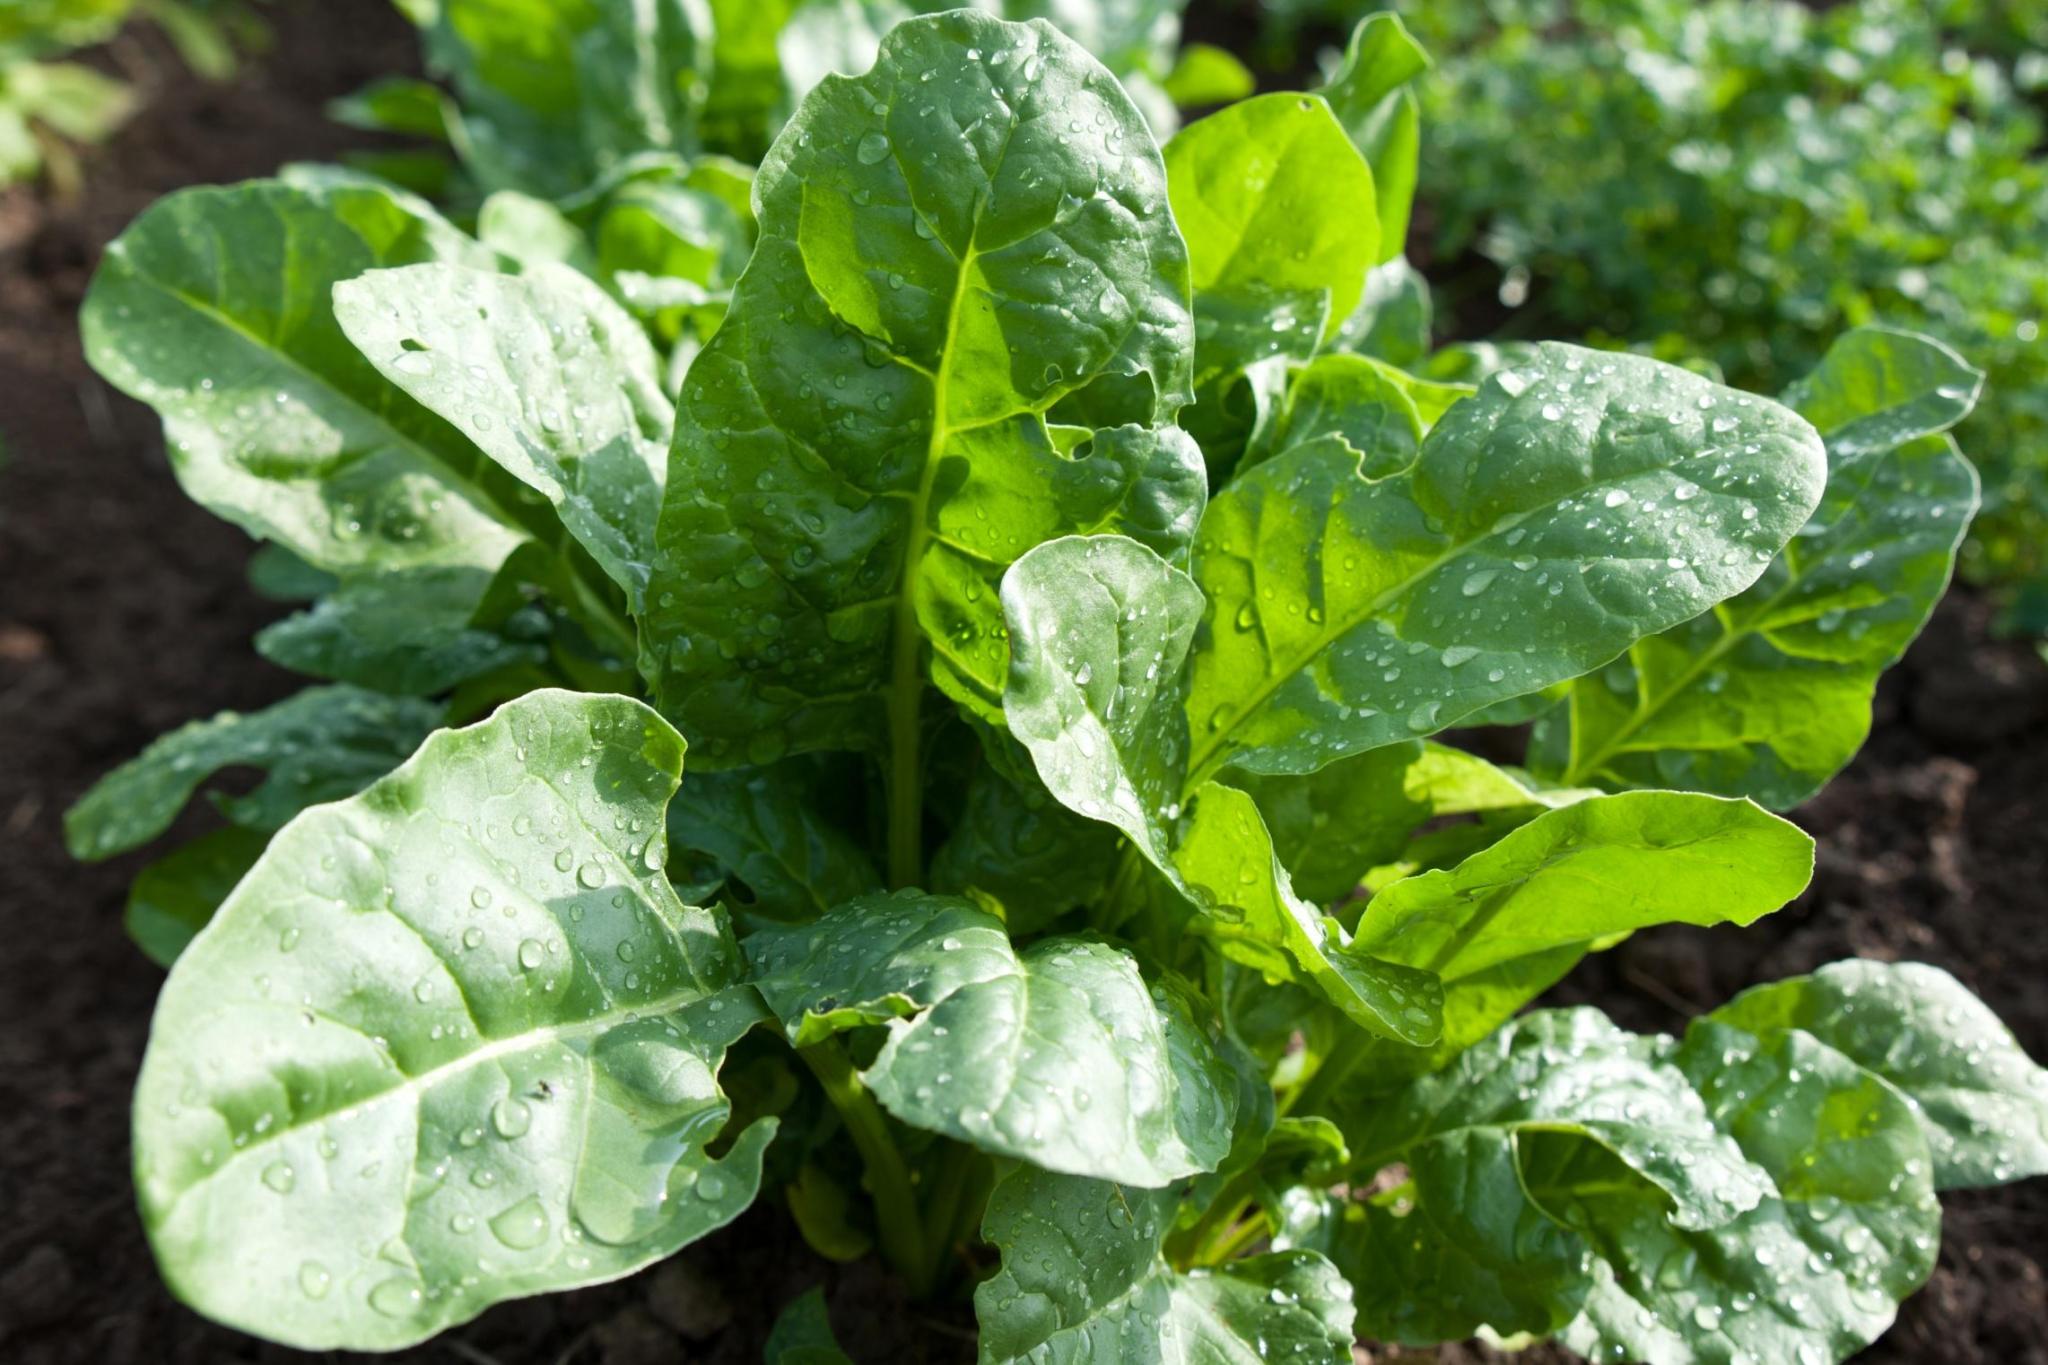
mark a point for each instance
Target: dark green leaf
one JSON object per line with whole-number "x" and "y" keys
{"x": 324, "y": 743}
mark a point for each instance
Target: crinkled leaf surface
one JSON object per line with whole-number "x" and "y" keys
{"x": 547, "y": 376}
{"x": 1060, "y": 1054}
{"x": 1814, "y": 1274}
{"x": 1470, "y": 1244}
{"x": 1982, "y": 1102}
{"x": 1540, "y": 532}
{"x": 1769, "y": 695}
{"x": 323, "y": 743}
{"x": 943, "y": 257}
{"x": 1082, "y": 1282}
{"x": 451, "y": 1041}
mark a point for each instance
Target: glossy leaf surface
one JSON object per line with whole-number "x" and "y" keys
{"x": 941, "y": 260}
{"x": 1082, "y": 1282}
{"x": 1570, "y": 507}
{"x": 1769, "y": 695}
{"x": 452, "y": 1041}
{"x": 1059, "y": 1054}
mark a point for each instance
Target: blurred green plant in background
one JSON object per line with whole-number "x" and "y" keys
{"x": 49, "y": 105}
{"x": 1755, "y": 177}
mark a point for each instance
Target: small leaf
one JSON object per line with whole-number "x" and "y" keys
{"x": 1082, "y": 1281}
{"x": 173, "y": 898}
{"x": 1059, "y": 1055}
{"x": 1372, "y": 94}
{"x": 323, "y": 743}
{"x": 802, "y": 1334}
{"x": 451, "y": 1041}
{"x": 410, "y": 632}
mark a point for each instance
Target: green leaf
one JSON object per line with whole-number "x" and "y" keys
{"x": 1589, "y": 871}
{"x": 802, "y": 1334}
{"x": 1878, "y": 388}
{"x": 940, "y": 261}
{"x": 763, "y": 827}
{"x": 1370, "y": 94}
{"x": 323, "y": 743}
{"x": 548, "y": 376}
{"x": 880, "y": 957}
{"x": 1206, "y": 74}
{"x": 1814, "y": 1274}
{"x": 1099, "y": 628}
{"x": 173, "y": 898}
{"x": 1393, "y": 323}
{"x": 409, "y": 633}
{"x": 1278, "y": 210}
{"x": 1769, "y": 696}
{"x": 554, "y": 94}
{"x": 1224, "y": 862}
{"x": 1473, "y": 1244}
{"x": 1082, "y": 1282}
{"x": 272, "y": 419}
{"x": 1058, "y": 1055}
{"x": 1980, "y": 1100}
{"x": 1349, "y": 399}
{"x": 1333, "y": 826}
{"x": 451, "y": 1041}
{"x": 1540, "y": 532}
{"x": 1016, "y": 845}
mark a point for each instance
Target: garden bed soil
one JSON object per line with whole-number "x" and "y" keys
{"x": 123, "y": 612}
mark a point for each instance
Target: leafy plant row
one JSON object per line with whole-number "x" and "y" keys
{"x": 1060, "y": 600}
{"x": 1787, "y": 173}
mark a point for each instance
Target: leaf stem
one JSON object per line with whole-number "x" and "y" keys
{"x": 897, "y": 1223}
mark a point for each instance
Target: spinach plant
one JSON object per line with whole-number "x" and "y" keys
{"x": 1069, "y": 896}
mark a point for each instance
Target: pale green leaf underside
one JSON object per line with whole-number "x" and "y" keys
{"x": 1082, "y": 1282}
{"x": 1588, "y": 871}
{"x": 943, "y": 255}
{"x": 547, "y": 376}
{"x": 1570, "y": 507}
{"x": 1060, "y": 1055}
{"x": 451, "y": 1041}
{"x": 318, "y": 745}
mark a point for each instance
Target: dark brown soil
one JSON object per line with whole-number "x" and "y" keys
{"x": 123, "y": 612}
